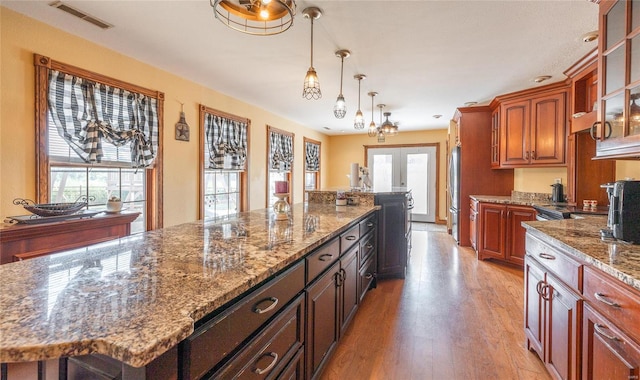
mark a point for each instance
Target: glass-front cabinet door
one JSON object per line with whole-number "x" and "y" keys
{"x": 618, "y": 128}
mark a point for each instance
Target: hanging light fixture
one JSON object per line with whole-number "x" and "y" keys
{"x": 256, "y": 17}
{"x": 387, "y": 126}
{"x": 311, "y": 88}
{"x": 358, "y": 123}
{"x": 381, "y": 137}
{"x": 373, "y": 130}
{"x": 340, "y": 109}
{"x": 394, "y": 129}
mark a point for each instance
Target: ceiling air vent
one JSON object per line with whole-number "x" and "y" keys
{"x": 80, "y": 14}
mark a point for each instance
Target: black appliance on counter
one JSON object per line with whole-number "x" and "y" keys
{"x": 557, "y": 193}
{"x": 624, "y": 211}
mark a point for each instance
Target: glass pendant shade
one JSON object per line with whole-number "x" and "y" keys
{"x": 358, "y": 123}
{"x": 311, "y": 89}
{"x": 340, "y": 109}
{"x": 255, "y": 17}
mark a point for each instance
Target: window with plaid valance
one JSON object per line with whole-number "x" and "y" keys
{"x": 87, "y": 114}
{"x": 312, "y": 153}
{"x": 226, "y": 142}
{"x": 281, "y": 151}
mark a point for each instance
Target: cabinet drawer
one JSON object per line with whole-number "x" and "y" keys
{"x": 613, "y": 299}
{"x": 367, "y": 247}
{"x": 215, "y": 339}
{"x": 349, "y": 238}
{"x": 560, "y": 264}
{"x": 269, "y": 352}
{"x": 366, "y": 277}
{"x": 369, "y": 224}
{"x": 322, "y": 259}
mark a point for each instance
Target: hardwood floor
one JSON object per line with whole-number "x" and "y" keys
{"x": 453, "y": 317}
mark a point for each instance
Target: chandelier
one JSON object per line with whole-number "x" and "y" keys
{"x": 255, "y": 17}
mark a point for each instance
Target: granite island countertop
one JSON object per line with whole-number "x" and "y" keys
{"x": 581, "y": 238}
{"x": 136, "y": 297}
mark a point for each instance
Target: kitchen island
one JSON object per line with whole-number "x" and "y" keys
{"x": 136, "y": 298}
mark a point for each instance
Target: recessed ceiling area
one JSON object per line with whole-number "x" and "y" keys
{"x": 423, "y": 58}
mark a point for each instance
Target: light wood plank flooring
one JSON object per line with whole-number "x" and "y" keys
{"x": 453, "y": 317}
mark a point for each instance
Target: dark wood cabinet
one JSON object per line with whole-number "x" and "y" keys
{"x": 584, "y": 174}
{"x": 552, "y": 321}
{"x": 500, "y": 232}
{"x": 393, "y": 231}
{"x": 349, "y": 278}
{"x": 495, "y": 138}
{"x": 533, "y": 130}
{"x": 618, "y": 127}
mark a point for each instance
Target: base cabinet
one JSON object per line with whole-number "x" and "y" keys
{"x": 393, "y": 235}
{"x": 500, "y": 234}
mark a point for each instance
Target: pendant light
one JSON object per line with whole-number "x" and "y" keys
{"x": 340, "y": 109}
{"x": 358, "y": 123}
{"x": 255, "y": 17}
{"x": 311, "y": 88}
{"x": 381, "y": 137}
{"x": 373, "y": 130}
{"x": 387, "y": 126}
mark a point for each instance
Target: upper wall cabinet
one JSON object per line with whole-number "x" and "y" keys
{"x": 618, "y": 127}
{"x": 584, "y": 92}
{"x": 532, "y": 126}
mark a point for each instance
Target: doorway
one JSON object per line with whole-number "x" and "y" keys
{"x": 413, "y": 167}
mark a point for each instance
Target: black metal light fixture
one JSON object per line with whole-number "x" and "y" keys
{"x": 255, "y": 17}
{"x": 387, "y": 127}
{"x": 358, "y": 123}
{"x": 340, "y": 109}
{"x": 381, "y": 137}
{"x": 373, "y": 130}
{"x": 311, "y": 88}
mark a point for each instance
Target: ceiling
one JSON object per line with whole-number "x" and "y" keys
{"x": 424, "y": 58}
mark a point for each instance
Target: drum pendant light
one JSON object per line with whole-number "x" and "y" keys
{"x": 340, "y": 109}
{"x": 358, "y": 123}
{"x": 311, "y": 88}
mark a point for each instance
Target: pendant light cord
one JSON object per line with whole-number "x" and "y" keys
{"x": 311, "y": 41}
{"x": 341, "y": 71}
{"x": 359, "y": 80}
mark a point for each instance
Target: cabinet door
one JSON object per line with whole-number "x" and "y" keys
{"x": 514, "y": 133}
{"x": 534, "y": 306}
{"x": 322, "y": 319}
{"x": 392, "y": 243}
{"x": 349, "y": 278}
{"x": 607, "y": 353}
{"x": 548, "y": 128}
{"x": 515, "y": 242}
{"x": 492, "y": 231}
{"x": 561, "y": 340}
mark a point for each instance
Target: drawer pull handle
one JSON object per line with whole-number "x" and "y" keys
{"x": 274, "y": 355}
{"x": 325, "y": 257}
{"x": 539, "y": 287}
{"x": 368, "y": 276}
{"x": 599, "y": 329}
{"x": 370, "y": 224}
{"x": 274, "y": 302}
{"x": 546, "y": 256}
{"x": 350, "y": 237}
{"x": 602, "y": 298}
{"x": 369, "y": 245}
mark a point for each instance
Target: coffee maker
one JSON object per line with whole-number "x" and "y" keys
{"x": 608, "y": 232}
{"x": 557, "y": 194}
{"x": 623, "y": 220}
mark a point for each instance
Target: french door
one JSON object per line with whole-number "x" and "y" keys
{"x": 410, "y": 167}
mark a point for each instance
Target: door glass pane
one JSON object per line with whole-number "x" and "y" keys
{"x": 635, "y": 14}
{"x": 635, "y": 58}
{"x": 615, "y": 24}
{"x": 310, "y": 180}
{"x": 615, "y": 70}
{"x": 417, "y": 180}
{"x": 382, "y": 172}
{"x": 634, "y": 111}
{"x": 614, "y": 116}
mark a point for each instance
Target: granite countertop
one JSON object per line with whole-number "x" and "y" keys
{"x": 394, "y": 190}
{"x": 508, "y": 199}
{"x": 581, "y": 238}
{"x": 134, "y": 298}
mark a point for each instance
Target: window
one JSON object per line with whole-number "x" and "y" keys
{"x": 311, "y": 164}
{"x": 279, "y": 161}
{"x": 224, "y": 151}
{"x": 98, "y": 137}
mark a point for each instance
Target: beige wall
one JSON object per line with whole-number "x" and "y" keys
{"x": 537, "y": 180}
{"x": 346, "y": 149}
{"x": 22, "y": 37}
{"x": 627, "y": 169}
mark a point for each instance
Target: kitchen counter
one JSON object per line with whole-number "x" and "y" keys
{"x": 134, "y": 298}
{"x": 508, "y": 200}
{"x": 581, "y": 238}
{"x": 361, "y": 197}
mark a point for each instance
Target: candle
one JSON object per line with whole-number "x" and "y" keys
{"x": 282, "y": 187}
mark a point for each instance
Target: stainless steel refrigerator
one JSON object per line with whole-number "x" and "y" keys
{"x": 454, "y": 192}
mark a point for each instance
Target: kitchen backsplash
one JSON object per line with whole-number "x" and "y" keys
{"x": 530, "y": 196}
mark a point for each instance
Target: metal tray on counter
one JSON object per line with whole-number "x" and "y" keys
{"x": 35, "y": 219}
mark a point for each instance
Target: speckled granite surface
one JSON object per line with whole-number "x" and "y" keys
{"x": 581, "y": 238}
{"x": 362, "y": 197}
{"x": 136, "y": 297}
{"x": 516, "y": 198}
